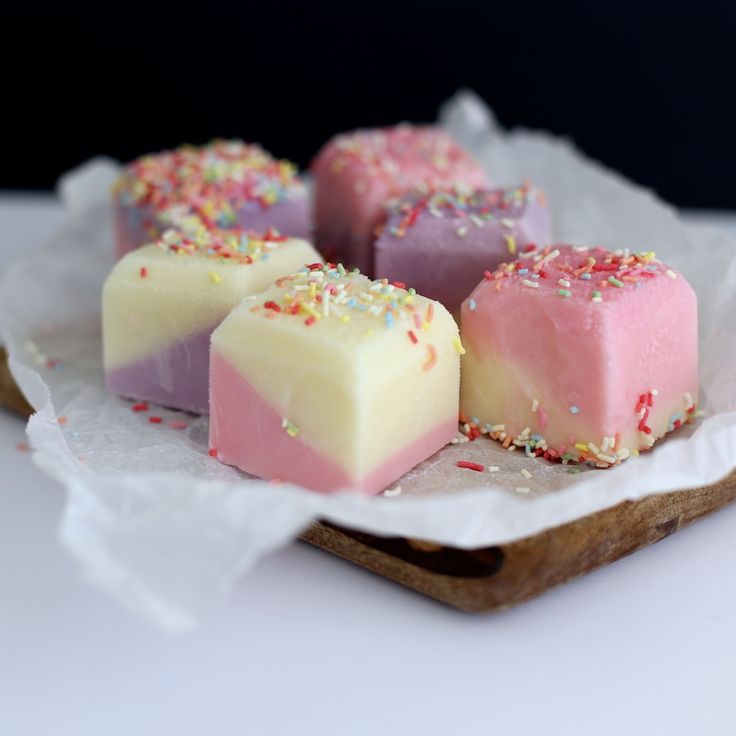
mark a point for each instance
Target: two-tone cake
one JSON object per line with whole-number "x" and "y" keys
{"x": 333, "y": 381}
{"x": 161, "y": 302}
{"x": 580, "y": 354}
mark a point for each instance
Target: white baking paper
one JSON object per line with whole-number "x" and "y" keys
{"x": 151, "y": 518}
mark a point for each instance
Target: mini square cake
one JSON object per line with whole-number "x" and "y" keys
{"x": 580, "y": 354}
{"x": 357, "y": 173}
{"x": 442, "y": 242}
{"x": 161, "y": 302}
{"x": 332, "y": 381}
{"x": 225, "y": 184}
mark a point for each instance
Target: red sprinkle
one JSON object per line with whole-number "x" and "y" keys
{"x": 155, "y": 420}
{"x": 309, "y": 321}
{"x": 274, "y": 236}
{"x": 529, "y": 248}
{"x": 412, "y": 336}
{"x": 488, "y": 275}
{"x": 212, "y": 452}
{"x": 144, "y": 272}
{"x": 399, "y": 284}
{"x": 272, "y": 305}
{"x": 470, "y": 466}
{"x": 63, "y": 420}
{"x": 314, "y": 266}
{"x": 143, "y": 406}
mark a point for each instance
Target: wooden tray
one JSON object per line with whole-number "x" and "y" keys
{"x": 497, "y": 577}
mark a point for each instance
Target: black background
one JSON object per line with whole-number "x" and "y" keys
{"x": 648, "y": 88}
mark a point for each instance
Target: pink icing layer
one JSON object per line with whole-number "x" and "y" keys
{"x": 247, "y": 432}
{"x": 589, "y": 360}
{"x": 356, "y": 173}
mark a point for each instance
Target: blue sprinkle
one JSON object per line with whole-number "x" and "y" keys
{"x": 389, "y": 319}
{"x": 471, "y": 304}
{"x": 535, "y": 275}
{"x": 523, "y": 270}
{"x": 475, "y": 420}
{"x": 574, "y": 410}
{"x": 537, "y": 437}
{"x": 585, "y": 276}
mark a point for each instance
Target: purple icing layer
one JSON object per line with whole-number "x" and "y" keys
{"x": 177, "y": 376}
{"x": 137, "y": 225}
{"x": 442, "y": 243}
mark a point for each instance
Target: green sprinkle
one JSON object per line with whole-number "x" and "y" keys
{"x": 615, "y": 282}
{"x": 341, "y": 269}
{"x": 564, "y": 292}
{"x": 596, "y": 295}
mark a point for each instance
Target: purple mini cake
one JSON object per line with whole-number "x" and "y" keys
{"x": 225, "y": 184}
{"x": 442, "y": 242}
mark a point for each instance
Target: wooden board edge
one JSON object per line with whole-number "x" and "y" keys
{"x": 498, "y": 577}
{"x": 11, "y": 396}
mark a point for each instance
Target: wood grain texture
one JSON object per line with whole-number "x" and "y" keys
{"x": 493, "y": 578}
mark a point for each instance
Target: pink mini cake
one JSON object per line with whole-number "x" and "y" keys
{"x": 225, "y": 184}
{"x": 357, "y": 173}
{"x": 442, "y": 242}
{"x": 580, "y": 354}
{"x": 161, "y": 302}
{"x": 332, "y": 381}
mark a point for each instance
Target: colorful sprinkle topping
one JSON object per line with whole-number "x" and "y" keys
{"x": 236, "y": 245}
{"x": 474, "y": 207}
{"x": 211, "y": 182}
{"x": 385, "y": 153}
{"x": 358, "y": 307}
{"x": 572, "y": 271}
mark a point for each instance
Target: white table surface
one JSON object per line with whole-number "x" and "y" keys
{"x": 310, "y": 644}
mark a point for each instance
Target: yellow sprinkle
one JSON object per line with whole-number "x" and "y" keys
{"x": 648, "y": 256}
{"x": 310, "y": 311}
{"x": 425, "y": 325}
{"x": 312, "y": 290}
{"x": 581, "y": 446}
{"x": 458, "y": 345}
{"x": 345, "y": 318}
{"x": 215, "y": 277}
{"x": 511, "y": 244}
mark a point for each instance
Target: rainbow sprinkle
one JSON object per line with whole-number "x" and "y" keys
{"x": 210, "y": 182}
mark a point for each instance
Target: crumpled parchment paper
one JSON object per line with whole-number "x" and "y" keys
{"x": 151, "y": 518}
